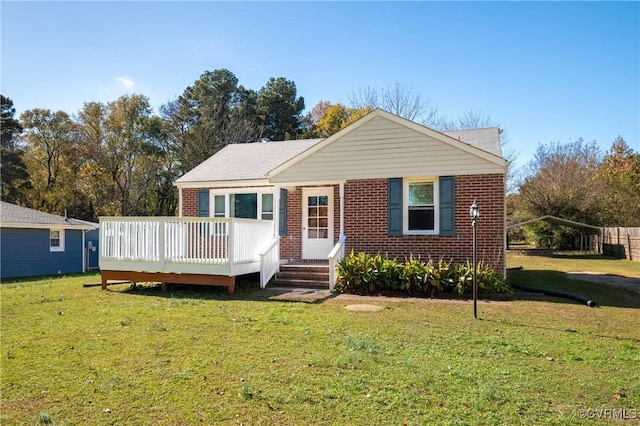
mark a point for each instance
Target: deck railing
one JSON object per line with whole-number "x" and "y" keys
{"x": 217, "y": 246}
{"x": 269, "y": 261}
{"x": 336, "y": 254}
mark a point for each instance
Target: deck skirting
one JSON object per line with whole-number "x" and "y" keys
{"x": 170, "y": 278}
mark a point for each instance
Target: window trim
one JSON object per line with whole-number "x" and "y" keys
{"x": 248, "y": 190}
{"x": 59, "y": 248}
{"x": 436, "y": 205}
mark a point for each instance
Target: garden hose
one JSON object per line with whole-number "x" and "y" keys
{"x": 588, "y": 302}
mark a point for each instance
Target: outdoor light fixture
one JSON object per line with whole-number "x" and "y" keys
{"x": 474, "y": 212}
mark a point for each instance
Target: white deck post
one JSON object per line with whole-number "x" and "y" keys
{"x": 161, "y": 242}
{"x": 230, "y": 246}
{"x": 341, "y": 209}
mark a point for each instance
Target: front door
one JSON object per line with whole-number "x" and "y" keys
{"x": 317, "y": 222}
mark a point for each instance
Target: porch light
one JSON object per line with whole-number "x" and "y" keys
{"x": 474, "y": 212}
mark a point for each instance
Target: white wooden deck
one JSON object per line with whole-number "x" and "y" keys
{"x": 188, "y": 245}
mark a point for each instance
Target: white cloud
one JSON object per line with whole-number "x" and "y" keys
{"x": 125, "y": 82}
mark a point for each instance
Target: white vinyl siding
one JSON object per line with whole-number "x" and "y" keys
{"x": 379, "y": 149}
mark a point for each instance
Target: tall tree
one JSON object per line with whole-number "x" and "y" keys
{"x": 13, "y": 172}
{"x": 564, "y": 182}
{"x": 50, "y": 138}
{"x": 399, "y": 99}
{"x": 126, "y": 147}
{"x": 162, "y": 198}
{"x": 326, "y": 119}
{"x": 94, "y": 177}
{"x": 280, "y": 109}
{"x": 210, "y": 114}
{"x": 621, "y": 173}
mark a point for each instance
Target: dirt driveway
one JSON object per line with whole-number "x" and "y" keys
{"x": 612, "y": 280}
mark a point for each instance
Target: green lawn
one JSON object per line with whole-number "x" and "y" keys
{"x": 72, "y": 355}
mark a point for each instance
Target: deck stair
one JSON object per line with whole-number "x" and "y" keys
{"x": 309, "y": 275}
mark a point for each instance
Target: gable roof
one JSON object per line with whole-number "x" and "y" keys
{"x": 258, "y": 163}
{"x": 245, "y": 162}
{"x": 382, "y": 144}
{"x": 15, "y": 216}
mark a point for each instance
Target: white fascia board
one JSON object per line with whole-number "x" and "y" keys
{"x": 223, "y": 184}
{"x": 311, "y": 183}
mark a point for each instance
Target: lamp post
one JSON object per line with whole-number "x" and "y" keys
{"x": 474, "y": 212}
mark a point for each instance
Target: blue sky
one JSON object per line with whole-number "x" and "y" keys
{"x": 545, "y": 71}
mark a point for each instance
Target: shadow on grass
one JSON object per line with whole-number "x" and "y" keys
{"x": 247, "y": 288}
{"x": 553, "y": 254}
{"x": 601, "y": 293}
{"x": 514, "y": 323}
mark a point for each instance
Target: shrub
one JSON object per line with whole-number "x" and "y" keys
{"x": 363, "y": 273}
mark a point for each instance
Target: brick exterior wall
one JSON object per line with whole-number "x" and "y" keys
{"x": 365, "y": 212}
{"x": 190, "y": 202}
{"x": 366, "y": 223}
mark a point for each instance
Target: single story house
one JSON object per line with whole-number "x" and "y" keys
{"x": 35, "y": 243}
{"x": 383, "y": 184}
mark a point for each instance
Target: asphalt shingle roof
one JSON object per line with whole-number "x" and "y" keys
{"x": 253, "y": 161}
{"x": 246, "y": 161}
{"x": 14, "y": 214}
{"x": 487, "y": 139}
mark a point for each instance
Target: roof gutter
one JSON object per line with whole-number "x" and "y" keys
{"x": 224, "y": 184}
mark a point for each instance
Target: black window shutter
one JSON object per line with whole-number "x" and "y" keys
{"x": 447, "y": 210}
{"x": 282, "y": 212}
{"x": 203, "y": 203}
{"x": 394, "y": 199}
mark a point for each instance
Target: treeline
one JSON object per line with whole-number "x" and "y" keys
{"x": 121, "y": 158}
{"x": 577, "y": 181}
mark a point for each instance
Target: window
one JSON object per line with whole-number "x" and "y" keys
{"x": 249, "y": 205}
{"x": 420, "y": 207}
{"x": 219, "y": 209}
{"x": 56, "y": 240}
{"x": 267, "y": 206}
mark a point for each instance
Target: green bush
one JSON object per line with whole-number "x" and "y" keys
{"x": 363, "y": 273}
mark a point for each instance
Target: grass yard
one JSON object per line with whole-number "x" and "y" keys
{"x": 72, "y": 355}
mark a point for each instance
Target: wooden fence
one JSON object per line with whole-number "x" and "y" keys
{"x": 621, "y": 242}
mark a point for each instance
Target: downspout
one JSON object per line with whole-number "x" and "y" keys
{"x": 504, "y": 219}
{"x": 180, "y": 201}
{"x": 85, "y": 252}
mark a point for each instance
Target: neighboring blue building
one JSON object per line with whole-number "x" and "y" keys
{"x": 36, "y": 243}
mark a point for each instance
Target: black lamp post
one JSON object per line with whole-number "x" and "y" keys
{"x": 474, "y": 212}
